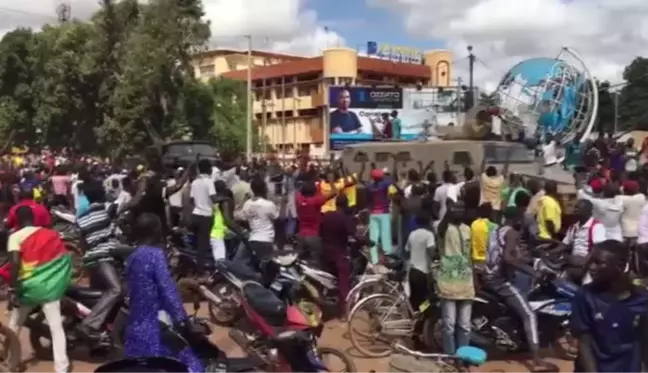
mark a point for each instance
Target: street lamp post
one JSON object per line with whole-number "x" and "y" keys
{"x": 248, "y": 123}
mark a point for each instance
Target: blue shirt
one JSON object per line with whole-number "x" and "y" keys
{"x": 82, "y": 205}
{"x": 614, "y": 325}
{"x": 347, "y": 121}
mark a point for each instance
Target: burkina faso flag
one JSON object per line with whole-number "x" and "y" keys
{"x": 46, "y": 266}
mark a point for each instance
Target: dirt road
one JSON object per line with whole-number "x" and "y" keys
{"x": 334, "y": 336}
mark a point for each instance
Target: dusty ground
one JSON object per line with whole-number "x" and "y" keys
{"x": 334, "y": 336}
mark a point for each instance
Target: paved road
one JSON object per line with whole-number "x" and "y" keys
{"x": 334, "y": 336}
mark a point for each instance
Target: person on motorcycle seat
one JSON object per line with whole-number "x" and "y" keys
{"x": 609, "y": 315}
{"x": 42, "y": 217}
{"x": 581, "y": 238}
{"x": 502, "y": 262}
{"x": 151, "y": 291}
{"x": 97, "y": 231}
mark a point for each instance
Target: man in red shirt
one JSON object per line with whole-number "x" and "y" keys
{"x": 309, "y": 204}
{"x": 42, "y": 217}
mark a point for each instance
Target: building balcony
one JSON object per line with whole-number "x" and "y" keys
{"x": 290, "y": 103}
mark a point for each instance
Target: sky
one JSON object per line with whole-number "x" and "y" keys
{"x": 607, "y": 34}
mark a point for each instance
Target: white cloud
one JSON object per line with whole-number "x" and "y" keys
{"x": 607, "y": 34}
{"x": 287, "y": 26}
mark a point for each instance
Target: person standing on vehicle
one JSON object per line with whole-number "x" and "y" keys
{"x": 203, "y": 196}
{"x": 502, "y": 262}
{"x": 610, "y": 315}
{"x": 454, "y": 279}
{"x": 152, "y": 290}
{"x": 41, "y": 270}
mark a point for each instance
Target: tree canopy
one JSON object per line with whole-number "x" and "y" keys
{"x": 117, "y": 83}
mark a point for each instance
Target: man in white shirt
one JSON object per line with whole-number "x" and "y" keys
{"x": 582, "y": 236}
{"x": 445, "y": 191}
{"x": 203, "y": 196}
{"x": 260, "y": 213}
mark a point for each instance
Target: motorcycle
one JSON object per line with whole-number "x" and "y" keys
{"x": 76, "y": 305}
{"x": 281, "y": 335}
{"x": 64, "y": 222}
{"x": 224, "y": 306}
{"x": 494, "y": 325}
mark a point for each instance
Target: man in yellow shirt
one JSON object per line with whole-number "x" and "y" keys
{"x": 549, "y": 213}
{"x": 325, "y": 189}
{"x": 480, "y": 231}
{"x": 351, "y": 191}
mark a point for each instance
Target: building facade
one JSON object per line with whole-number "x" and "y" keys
{"x": 290, "y": 93}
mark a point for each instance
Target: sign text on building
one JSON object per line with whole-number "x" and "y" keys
{"x": 395, "y": 53}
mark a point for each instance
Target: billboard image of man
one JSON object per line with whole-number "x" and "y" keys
{"x": 341, "y": 119}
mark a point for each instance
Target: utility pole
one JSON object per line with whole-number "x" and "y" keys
{"x": 264, "y": 119}
{"x": 283, "y": 117}
{"x": 248, "y": 123}
{"x": 616, "y": 112}
{"x": 471, "y": 77}
{"x": 64, "y": 11}
{"x": 459, "y": 103}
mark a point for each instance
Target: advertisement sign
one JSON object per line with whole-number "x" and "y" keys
{"x": 395, "y": 53}
{"x": 361, "y": 114}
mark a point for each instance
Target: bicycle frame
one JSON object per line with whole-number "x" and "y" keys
{"x": 399, "y": 327}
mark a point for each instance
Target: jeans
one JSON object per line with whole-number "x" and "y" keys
{"x": 52, "y": 311}
{"x": 311, "y": 247}
{"x": 380, "y": 232}
{"x": 202, "y": 228}
{"x": 455, "y": 313}
{"x": 104, "y": 277}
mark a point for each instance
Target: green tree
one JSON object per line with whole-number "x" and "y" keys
{"x": 606, "y": 110}
{"x": 633, "y": 99}
{"x": 16, "y": 92}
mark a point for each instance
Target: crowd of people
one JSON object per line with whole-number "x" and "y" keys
{"x": 481, "y": 234}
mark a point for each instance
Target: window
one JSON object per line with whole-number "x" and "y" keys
{"x": 359, "y": 156}
{"x": 207, "y": 70}
{"x": 382, "y": 156}
{"x": 511, "y": 153}
{"x": 461, "y": 159}
{"x": 403, "y": 157}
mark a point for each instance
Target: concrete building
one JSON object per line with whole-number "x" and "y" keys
{"x": 290, "y": 92}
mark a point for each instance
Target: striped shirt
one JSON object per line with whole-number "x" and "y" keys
{"x": 97, "y": 229}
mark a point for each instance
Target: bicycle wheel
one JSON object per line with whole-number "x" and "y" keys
{"x": 327, "y": 354}
{"x": 364, "y": 289}
{"x": 383, "y": 319}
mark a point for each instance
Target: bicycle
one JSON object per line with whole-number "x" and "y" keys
{"x": 461, "y": 361}
{"x": 382, "y": 278}
{"x": 392, "y": 316}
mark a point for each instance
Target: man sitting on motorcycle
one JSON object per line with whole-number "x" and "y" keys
{"x": 502, "y": 261}
{"x": 581, "y": 237}
{"x": 97, "y": 231}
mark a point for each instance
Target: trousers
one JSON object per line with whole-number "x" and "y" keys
{"x": 52, "y": 311}
{"x": 104, "y": 277}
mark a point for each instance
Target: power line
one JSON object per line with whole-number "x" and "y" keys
{"x": 27, "y": 13}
